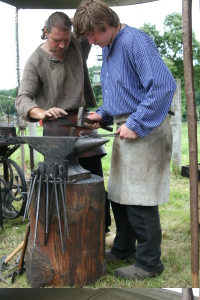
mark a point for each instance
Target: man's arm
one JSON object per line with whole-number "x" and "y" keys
{"x": 30, "y": 87}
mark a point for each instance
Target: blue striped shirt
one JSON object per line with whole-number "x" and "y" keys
{"x": 135, "y": 81}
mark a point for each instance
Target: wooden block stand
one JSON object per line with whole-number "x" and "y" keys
{"x": 84, "y": 260}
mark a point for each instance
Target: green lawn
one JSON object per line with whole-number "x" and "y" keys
{"x": 176, "y": 231}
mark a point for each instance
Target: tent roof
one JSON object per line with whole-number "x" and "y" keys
{"x": 65, "y": 4}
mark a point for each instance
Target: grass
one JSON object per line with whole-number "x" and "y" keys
{"x": 176, "y": 231}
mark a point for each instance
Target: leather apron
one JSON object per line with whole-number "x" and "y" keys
{"x": 140, "y": 168}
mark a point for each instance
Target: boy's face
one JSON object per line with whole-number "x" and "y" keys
{"x": 101, "y": 38}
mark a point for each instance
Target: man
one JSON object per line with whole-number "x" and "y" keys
{"x": 137, "y": 90}
{"x": 55, "y": 84}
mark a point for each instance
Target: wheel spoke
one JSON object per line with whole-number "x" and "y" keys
{"x": 13, "y": 202}
{"x": 15, "y": 209}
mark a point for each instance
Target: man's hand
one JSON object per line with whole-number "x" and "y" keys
{"x": 50, "y": 114}
{"x": 125, "y": 133}
{"x": 97, "y": 119}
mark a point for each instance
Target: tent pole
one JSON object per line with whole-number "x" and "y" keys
{"x": 18, "y": 86}
{"x": 192, "y": 135}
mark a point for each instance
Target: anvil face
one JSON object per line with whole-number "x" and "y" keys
{"x": 53, "y": 148}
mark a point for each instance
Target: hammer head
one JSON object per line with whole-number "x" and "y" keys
{"x": 80, "y": 118}
{"x": 2, "y": 263}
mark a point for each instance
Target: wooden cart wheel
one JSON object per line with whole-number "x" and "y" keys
{"x": 13, "y": 189}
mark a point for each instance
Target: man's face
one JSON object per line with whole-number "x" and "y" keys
{"x": 101, "y": 38}
{"x": 58, "y": 40}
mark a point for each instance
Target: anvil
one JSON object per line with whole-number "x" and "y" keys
{"x": 58, "y": 149}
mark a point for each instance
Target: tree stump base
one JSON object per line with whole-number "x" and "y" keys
{"x": 84, "y": 260}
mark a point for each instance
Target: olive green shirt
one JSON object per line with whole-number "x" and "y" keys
{"x": 48, "y": 82}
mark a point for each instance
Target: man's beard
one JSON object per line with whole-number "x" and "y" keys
{"x": 59, "y": 52}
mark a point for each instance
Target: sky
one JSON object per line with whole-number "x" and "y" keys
{"x": 31, "y": 21}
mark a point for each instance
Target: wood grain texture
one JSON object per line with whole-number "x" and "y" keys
{"x": 84, "y": 260}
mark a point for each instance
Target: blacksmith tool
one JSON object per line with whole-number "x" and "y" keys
{"x": 57, "y": 205}
{"x": 65, "y": 172}
{"x": 34, "y": 176}
{"x": 37, "y": 212}
{"x": 47, "y": 206}
{"x": 64, "y": 205}
{"x": 81, "y": 134}
{"x": 5, "y": 259}
{"x": 81, "y": 119}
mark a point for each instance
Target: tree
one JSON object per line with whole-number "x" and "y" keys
{"x": 96, "y": 86}
{"x": 170, "y": 47}
{"x": 7, "y": 102}
{"x": 156, "y": 37}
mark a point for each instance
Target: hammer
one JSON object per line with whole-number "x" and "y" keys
{"x": 5, "y": 259}
{"x": 82, "y": 119}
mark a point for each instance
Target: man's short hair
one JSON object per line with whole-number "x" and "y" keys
{"x": 93, "y": 15}
{"x": 59, "y": 20}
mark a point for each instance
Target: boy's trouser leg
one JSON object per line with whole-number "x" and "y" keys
{"x": 143, "y": 224}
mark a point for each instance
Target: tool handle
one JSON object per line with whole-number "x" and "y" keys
{"x": 108, "y": 128}
{"x": 14, "y": 252}
{"x": 21, "y": 262}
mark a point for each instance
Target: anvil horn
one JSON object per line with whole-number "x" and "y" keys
{"x": 83, "y": 145}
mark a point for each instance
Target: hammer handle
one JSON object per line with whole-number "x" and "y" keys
{"x": 14, "y": 253}
{"x": 108, "y": 128}
{"x": 21, "y": 262}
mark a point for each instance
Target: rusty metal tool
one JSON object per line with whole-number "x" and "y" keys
{"x": 81, "y": 134}
{"x": 65, "y": 172}
{"x": 64, "y": 206}
{"x": 57, "y": 205}
{"x": 27, "y": 202}
{"x": 47, "y": 209}
{"x": 37, "y": 212}
{"x": 31, "y": 189}
{"x": 107, "y": 135}
{"x": 81, "y": 119}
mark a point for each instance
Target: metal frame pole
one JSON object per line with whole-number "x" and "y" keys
{"x": 18, "y": 82}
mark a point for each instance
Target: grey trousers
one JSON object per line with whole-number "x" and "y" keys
{"x": 138, "y": 231}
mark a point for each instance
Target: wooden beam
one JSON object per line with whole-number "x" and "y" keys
{"x": 192, "y": 133}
